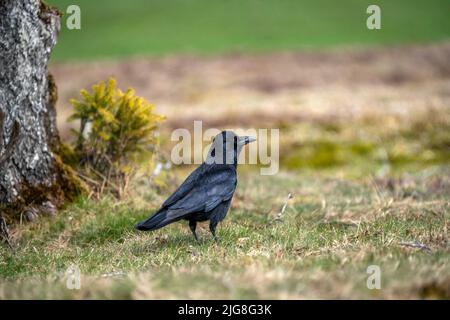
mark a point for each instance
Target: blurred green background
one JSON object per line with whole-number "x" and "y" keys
{"x": 118, "y": 28}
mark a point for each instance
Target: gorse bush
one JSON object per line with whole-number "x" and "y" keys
{"x": 117, "y": 135}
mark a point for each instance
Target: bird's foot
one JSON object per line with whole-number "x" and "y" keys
{"x": 216, "y": 239}
{"x": 196, "y": 238}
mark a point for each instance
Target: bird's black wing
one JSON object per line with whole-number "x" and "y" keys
{"x": 221, "y": 188}
{"x": 202, "y": 191}
{"x": 214, "y": 185}
{"x": 186, "y": 186}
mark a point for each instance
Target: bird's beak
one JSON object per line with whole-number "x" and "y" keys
{"x": 246, "y": 140}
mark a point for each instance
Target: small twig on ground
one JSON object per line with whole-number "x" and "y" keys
{"x": 415, "y": 245}
{"x": 86, "y": 178}
{"x": 279, "y": 216}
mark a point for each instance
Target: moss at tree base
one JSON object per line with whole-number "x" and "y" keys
{"x": 45, "y": 200}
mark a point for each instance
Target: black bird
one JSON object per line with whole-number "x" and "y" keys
{"x": 207, "y": 192}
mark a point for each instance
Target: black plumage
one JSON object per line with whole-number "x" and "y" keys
{"x": 207, "y": 192}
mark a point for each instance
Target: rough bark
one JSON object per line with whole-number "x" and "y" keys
{"x": 32, "y": 178}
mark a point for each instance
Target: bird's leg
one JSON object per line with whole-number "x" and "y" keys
{"x": 193, "y": 225}
{"x": 212, "y": 228}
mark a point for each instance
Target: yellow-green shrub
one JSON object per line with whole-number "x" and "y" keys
{"x": 116, "y": 134}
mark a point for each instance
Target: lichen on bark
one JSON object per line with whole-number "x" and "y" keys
{"x": 31, "y": 173}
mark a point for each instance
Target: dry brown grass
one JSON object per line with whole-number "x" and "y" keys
{"x": 275, "y": 89}
{"x": 343, "y": 217}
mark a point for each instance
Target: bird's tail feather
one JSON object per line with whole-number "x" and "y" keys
{"x": 156, "y": 221}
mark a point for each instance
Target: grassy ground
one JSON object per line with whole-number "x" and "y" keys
{"x": 332, "y": 230}
{"x": 363, "y": 141}
{"x": 364, "y": 150}
{"x": 351, "y": 209}
{"x": 123, "y": 28}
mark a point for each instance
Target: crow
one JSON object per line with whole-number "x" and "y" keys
{"x": 207, "y": 192}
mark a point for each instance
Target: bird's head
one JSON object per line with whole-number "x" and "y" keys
{"x": 226, "y": 147}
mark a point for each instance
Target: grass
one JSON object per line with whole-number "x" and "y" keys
{"x": 362, "y": 184}
{"x": 361, "y": 147}
{"x": 331, "y": 232}
{"x": 350, "y": 210}
{"x": 157, "y": 27}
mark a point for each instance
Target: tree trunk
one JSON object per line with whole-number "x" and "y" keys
{"x": 33, "y": 180}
